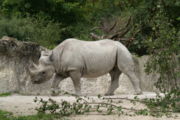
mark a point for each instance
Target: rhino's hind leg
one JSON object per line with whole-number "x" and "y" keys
{"x": 76, "y": 77}
{"x": 127, "y": 66}
{"x": 130, "y": 72}
{"x": 115, "y": 73}
{"x": 135, "y": 81}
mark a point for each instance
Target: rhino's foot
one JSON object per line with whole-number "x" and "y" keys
{"x": 78, "y": 94}
{"x": 138, "y": 93}
{"x": 54, "y": 92}
{"x": 109, "y": 94}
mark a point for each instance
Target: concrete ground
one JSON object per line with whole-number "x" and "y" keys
{"x": 24, "y": 105}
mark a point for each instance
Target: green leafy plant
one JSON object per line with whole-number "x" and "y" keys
{"x": 5, "y": 94}
{"x": 4, "y": 115}
{"x": 142, "y": 112}
{"x": 64, "y": 109}
{"x": 159, "y": 106}
{"x": 164, "y": 105}
{"x": 80, "y": 106}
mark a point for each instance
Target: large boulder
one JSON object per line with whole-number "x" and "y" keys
{"x": 16, "y": 56}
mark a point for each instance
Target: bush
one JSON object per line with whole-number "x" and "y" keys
{"x": 37, "y": 30}
{"x": 157, "y": 34}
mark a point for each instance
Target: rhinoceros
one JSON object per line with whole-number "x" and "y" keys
{"x": 76, "y": 58}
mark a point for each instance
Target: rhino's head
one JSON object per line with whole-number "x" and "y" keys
{"x": 44, "y": 70}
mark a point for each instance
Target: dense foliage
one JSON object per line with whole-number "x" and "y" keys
{"x": 155, "y": 26}
{"x": 160, "y": 30}
{"x": 30, "y": 29}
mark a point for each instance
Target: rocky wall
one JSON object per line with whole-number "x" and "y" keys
{"x": 16, "y": 56}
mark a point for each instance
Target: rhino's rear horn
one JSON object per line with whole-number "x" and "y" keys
{"x": 34, "y": 65}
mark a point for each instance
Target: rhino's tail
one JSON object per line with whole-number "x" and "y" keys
{"x": 137, "y": 67}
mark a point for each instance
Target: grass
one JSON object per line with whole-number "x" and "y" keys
{"x": 5, "y": 94}
{"x": 4, "y": 115}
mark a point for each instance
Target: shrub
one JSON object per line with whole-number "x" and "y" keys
{"x": 37, "y": 30}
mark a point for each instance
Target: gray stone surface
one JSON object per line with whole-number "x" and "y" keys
{"x": 15, "y": 57}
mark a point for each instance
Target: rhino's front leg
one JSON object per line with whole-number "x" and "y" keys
{"x": 76, "y": 76}
{"x": 56, "y": 79}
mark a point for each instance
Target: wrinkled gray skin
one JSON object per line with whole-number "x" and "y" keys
{"x": 75, "y": 58}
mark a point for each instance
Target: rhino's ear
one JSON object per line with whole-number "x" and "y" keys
{"x": 51, "y": 57}
{"x": 42, "y": 53}
{"x": 46, "y": 57}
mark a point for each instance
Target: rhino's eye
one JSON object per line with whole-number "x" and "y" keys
{"x": 43, "y": 72}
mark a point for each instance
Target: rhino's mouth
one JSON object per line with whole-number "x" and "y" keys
{"x": 37, "y": 82}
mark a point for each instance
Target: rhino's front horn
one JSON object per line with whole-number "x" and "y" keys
{"x": 32, "y": 68}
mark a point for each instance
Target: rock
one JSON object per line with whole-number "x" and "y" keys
{"x": 16, "y": 56}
